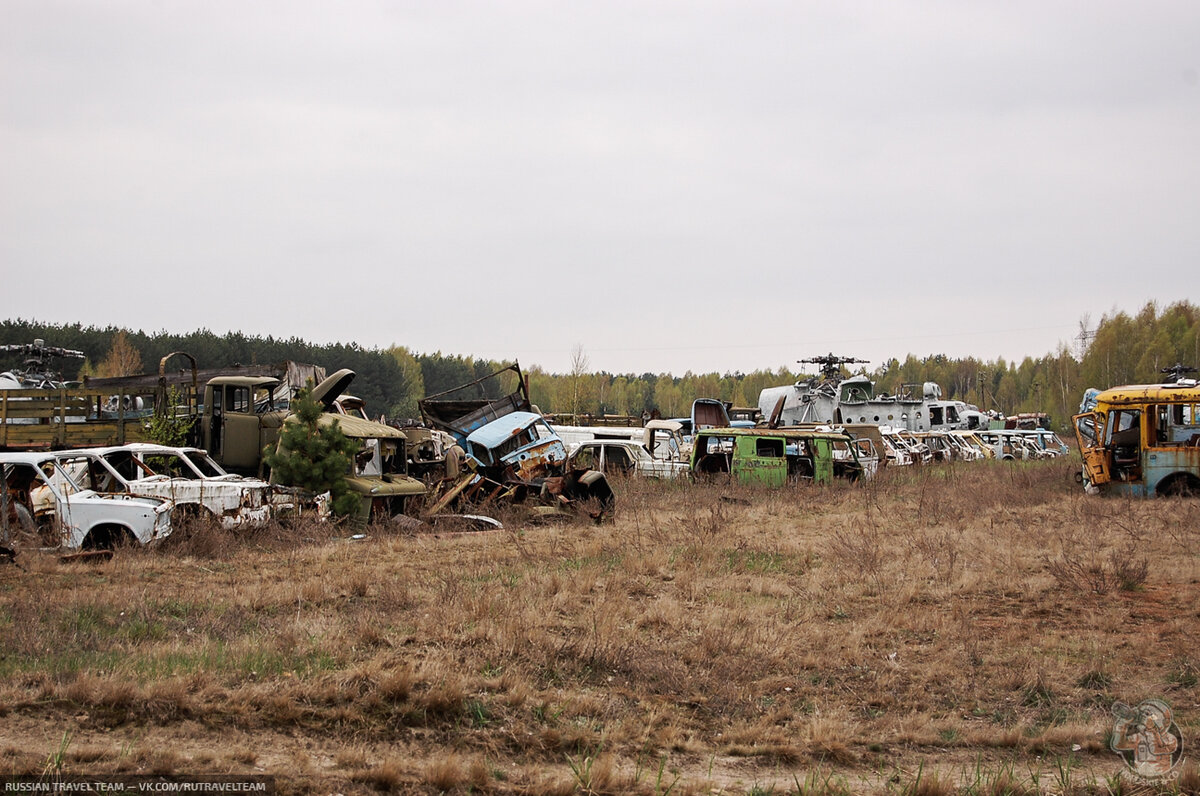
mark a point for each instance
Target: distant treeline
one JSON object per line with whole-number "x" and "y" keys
{"x": 1122, "y": 349}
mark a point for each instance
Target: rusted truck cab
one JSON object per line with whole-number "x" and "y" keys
{"x": 240, "y": 421}
{"x": 511, "y": 452}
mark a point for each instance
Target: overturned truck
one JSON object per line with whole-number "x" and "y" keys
{"x": 510, "y": 452}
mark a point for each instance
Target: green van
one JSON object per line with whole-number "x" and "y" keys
{"x": 774, "y": 457}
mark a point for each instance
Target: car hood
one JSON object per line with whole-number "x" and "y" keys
{"x": 334, "y": 385}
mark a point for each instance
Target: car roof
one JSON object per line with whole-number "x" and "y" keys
{"x": 774, "y": 432}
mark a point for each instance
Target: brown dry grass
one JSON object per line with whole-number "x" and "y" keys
{"x": 936, "y": 631}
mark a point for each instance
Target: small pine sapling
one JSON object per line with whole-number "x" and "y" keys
{"x": 315, "y": 456}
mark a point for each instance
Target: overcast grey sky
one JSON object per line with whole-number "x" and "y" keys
{"x": 672, "y": 185}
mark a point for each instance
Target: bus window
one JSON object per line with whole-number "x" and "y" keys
{"x": 769, "y": 447}
{"x": 1174, "y": 424}
{"x": 1125, "y": 429}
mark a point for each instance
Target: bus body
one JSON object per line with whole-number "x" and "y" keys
{"x": 1142, "y": 440}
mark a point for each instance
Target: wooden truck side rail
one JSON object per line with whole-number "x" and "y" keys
{"x": 71, "y": 418}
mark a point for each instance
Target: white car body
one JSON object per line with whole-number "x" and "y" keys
{"x": 624, "y": 457}
{"x": 186, "y": 476}
{"x": 864, "y": 453}
{"x": 1012, "y": 444}
{"x": 895, "y": 451}
{"x": 662, "y": 438}
{"x": 963, "y": 450}
{"x": 69, "y": 516}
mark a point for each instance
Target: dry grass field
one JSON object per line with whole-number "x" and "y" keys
{"x": 951, "y": 629}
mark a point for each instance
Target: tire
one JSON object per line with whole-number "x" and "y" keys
{"x": 22, "y": 530}
{"x": 25, "y": 523}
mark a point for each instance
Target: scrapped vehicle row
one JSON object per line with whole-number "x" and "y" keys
{"x": 97, "y": 497}
{"x": 477, "y": 446}
{"x": 470, "y": 454}
{"x": 813, "y": 452}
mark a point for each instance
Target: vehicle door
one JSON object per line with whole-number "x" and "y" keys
{"x": 617, "y": 460}
{"x": 585, "y": 458}
{"x": 646, "y": 465}
{"x": 239, "y": 432}
{"x": 760, "y": 460}
{"x": 822, "y": 453}
{"x": 867, "y": 456}
{"x": 663, "y": 444}
{"x": 1089, "y": 430}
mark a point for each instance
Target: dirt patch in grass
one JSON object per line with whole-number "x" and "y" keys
{"x": 938, "y": 630}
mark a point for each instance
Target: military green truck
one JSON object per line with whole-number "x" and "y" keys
{"x": 242, "y": 419}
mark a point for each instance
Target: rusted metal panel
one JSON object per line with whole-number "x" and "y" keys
{"x": 513, "y": 451}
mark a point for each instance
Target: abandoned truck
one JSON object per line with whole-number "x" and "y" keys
{"x": 1142, "y": 440}
{"x": 50, "y": 506}
{"x": 240, "y": 421}
{"x": 511, "y": 453}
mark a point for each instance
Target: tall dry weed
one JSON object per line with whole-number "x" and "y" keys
{"x": 859, "y": 552}
{"x": 1084, "y": 564}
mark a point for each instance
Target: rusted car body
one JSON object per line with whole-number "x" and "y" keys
{"x": 625, "y": 458}
{"x": 970, "y": 439}
{"x": 917, "y": 449}
{"x": 663, "y": 439}
{"x": 939, "y": 448}
{"x": 1011, "y": 444}
{"x": 428, "y": 451}
{"x": 964, "y": 451}
{"x": 1047, "y": 441}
